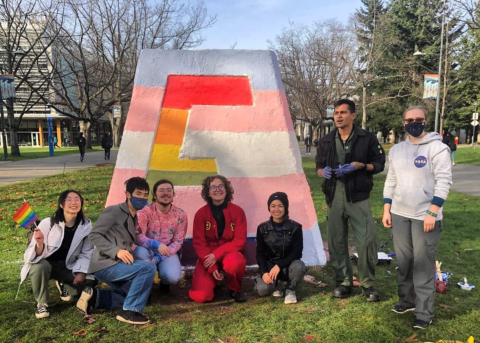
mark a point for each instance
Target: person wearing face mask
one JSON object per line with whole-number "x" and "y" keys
{"x": 130, "y": 280}
{"x": 418, "y": 181}
{"x": 60, "y": 250}
{"x": 162, "y": 227}
{"x": 219, "y": 237}
{"x": 279, "y": 251}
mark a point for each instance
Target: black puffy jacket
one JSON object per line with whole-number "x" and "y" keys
{"x": 365, "y": 149}
{"x": 279, "y": 247}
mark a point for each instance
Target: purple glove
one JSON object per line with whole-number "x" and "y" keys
{"x": 344, "y": 170}
{"x": 327, "y": 173}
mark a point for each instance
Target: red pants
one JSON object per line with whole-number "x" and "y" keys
{"x": 203, "y": 282}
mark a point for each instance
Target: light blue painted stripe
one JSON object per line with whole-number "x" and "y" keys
{"x": 261, "y": 66}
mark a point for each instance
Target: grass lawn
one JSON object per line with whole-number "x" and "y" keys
{"x": 29, "y": 153}
{"x": 468, "y": 155}
{"x": 316, "y": 318}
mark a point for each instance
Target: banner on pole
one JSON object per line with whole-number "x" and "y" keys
{"x": 430, "y": 86}
{"x": 8, "y": 86}
{"x": 330, "y": 111}
{"x": 117, "y": 111}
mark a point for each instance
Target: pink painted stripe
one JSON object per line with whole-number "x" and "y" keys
{"x": 145, "y": 107}
{"x": 252, "y": 195}
{"x": 117, "y": 186}
{"x": 269, "y": 113}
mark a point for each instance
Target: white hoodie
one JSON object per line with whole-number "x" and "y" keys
{"x": 417, "y": 173}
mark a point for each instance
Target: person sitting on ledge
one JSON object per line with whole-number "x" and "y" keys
{"x": 219, "y": 237}
{"x": 279, "y": 251}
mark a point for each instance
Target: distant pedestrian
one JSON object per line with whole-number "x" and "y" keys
{"x": 308, "y": 144}
{"x": 418, "y": 181}
{"x": 81, "y": 146}
{"x": 107, "y": 144}
{"x": 67, "y": 141}
{"x": 55, "y": 142}
{"x": 449, "y": 140}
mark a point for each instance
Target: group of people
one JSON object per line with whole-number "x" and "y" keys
{"x": 68, "y": 249}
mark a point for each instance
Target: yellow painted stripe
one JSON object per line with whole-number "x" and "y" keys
{"x": 165, "y": 157}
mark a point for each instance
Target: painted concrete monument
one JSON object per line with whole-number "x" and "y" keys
{"x": 199, "y": 113}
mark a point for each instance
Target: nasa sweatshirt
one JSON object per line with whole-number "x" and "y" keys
{"x": 419, "y": 174}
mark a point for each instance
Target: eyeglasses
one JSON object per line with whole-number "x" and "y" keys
{"x": 416, "y": 120}
{"x": 73, "y": 199}
{"x": 165, "y": 190}
{"x": 219, "y": 187}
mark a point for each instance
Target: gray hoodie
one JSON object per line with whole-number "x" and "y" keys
{"x": 417, "y": 173}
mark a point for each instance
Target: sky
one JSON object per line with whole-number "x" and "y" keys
{"x": 251, "y": 23}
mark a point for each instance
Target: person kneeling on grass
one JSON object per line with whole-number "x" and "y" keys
{"x": 113, "y": 263}
{"x": 279, "y": 250}
{"x": 219, "y": 237}
{"x": 60, "y": 250}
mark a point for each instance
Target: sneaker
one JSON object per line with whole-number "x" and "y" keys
{"x": 87, "y": 299}
{"x": 42, "y": 311}
{"x": 402, "y": 309}
{"x": 421, "y": 324}
{"x": 290, "y": 297}
{"x": 342, "y": 292}
{"x": 63, "y": 291}
{"x": 238, "y": 296}
{"x": 371, "y": 294}
{"x": 278, "y": 291}
{"x": 132, "y": 317}
{"x": 453, "y": 163}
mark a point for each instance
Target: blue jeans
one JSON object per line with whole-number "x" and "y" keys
{"x": 453, "y": 156}
{"x": 170, "y": 269}
{"x": 130, "y": 285}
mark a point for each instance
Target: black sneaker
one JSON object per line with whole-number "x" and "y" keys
{"x": 63, "y": 291}
{"x": 238, "y": 296}
{"x": 421, "y": 324}
{"x": 132, "y": 317}
{"x": 342, "y": 292}
{"x": 42, "y": 311}
{"x": 164, "y": 288}
{"x": 87, "y": 300}
{"x": 371, "y": 294}
{"x": 402, "y": 309}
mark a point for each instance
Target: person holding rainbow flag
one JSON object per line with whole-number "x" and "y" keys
{"x": 60, "y": 250}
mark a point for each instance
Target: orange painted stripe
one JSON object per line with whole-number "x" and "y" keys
{"x": 171, "y": 128}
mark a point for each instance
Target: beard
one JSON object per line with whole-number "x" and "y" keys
{"x": 164, "y": 202}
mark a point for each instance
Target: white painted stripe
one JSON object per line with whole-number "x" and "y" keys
{"x": 313, "y": 253}
{"x": 249, "y": 154}
{"x": 135, "y": 150}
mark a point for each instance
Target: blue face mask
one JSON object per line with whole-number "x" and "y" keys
{"x": 415, "y": 129}
{"x": 138, "y": 203}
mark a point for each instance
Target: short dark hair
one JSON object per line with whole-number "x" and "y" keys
{"x": 158, "y": 183}
{"x": 137, "y": 183}
{"x": 206, "y": 187}
{"x": 59, "y": 216}
{"x": 350, "y": 103}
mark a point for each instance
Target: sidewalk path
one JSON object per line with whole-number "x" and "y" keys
{"x": 11, "y": 172}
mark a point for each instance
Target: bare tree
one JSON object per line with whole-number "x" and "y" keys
{"x": 95, "y": 59}
{"x": 26, "y": 37}
{"x": 314, "y": 69}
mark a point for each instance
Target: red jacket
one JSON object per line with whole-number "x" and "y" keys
{"x": 205, "y": 233}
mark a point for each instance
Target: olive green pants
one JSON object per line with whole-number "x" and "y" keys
{"x": 365, "y": 238}
{"x": 40, "y": 273}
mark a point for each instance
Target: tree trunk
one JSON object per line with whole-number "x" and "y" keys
{"x": 364, "y": 107}
{"x": 115, "y": 123}
{"x": 14, "y": 148}
{"x": 85, "y": 128}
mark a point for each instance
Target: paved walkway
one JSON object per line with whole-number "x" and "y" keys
{"x": 11, "y": 172}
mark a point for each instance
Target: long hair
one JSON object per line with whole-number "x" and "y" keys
{"x": 58, "y": 216}
{"x": 206, "y": 188}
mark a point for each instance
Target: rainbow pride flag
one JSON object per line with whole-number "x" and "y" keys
{"x": 25, "y": 216}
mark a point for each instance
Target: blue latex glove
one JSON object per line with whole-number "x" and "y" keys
{"x": 327, "y": 172}
{"x": 344, "y": 170}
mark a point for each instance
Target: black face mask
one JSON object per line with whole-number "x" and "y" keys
{"x": 415, "y": 129}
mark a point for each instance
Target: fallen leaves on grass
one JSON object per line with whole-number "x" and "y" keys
{"x": 411, "y": 338}
{"x": 308, "y": 337}
{"x": 445, "y": 306}
{"x": 99, "y": 329}
{"x": 89, "y": 319}
{"x": 81, "y": 332}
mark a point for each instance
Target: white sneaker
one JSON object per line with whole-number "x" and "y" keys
{"x": 453, "y": 163}
{"x": 42, "y": 311}
{"x": 63, "y": 291}
{"x": 291, "y": 297}
{"x": 278, "y": 293}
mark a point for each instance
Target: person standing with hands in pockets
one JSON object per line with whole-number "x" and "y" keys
{"x": 418, "y": 181}
{"x": 346, "y": 159}
{"x": 113, "y": 262}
